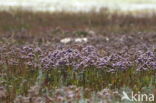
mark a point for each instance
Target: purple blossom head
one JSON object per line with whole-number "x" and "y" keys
{"x": 89, "y": 50}
{"x": 27, "y": 48}
{"x": 37, "y": 50}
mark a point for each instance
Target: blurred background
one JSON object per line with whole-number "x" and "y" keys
{"x": 77, "y": 5}
{"x": 16, "y": 16}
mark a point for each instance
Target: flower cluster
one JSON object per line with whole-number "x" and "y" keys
{"x": 89, "y": 57}
{"x": 25, "y": 55}
{"x": 146, "y": 61}
{"x": 77, "y": 58}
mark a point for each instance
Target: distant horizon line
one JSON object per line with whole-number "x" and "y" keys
{"x": 75, "y": 7}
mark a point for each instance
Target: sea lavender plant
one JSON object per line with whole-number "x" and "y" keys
{"x": 146, "y": 61}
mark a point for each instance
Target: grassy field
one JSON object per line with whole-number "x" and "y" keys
{"x": 118, "y": 54}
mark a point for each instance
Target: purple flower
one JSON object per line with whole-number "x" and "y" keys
{"x": 37, "y": 50}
